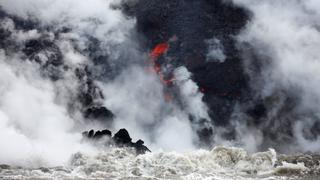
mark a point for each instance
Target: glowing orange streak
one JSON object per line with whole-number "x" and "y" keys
{"x": 159, "y": 50}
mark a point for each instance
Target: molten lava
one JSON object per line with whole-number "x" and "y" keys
{"x": 159, "y": 50}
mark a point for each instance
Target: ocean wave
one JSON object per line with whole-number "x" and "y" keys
{"x": 220, "y": 163}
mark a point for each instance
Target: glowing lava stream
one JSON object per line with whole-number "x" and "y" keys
{"x": 159, "y": 50}
{"x": 156, "y": 52}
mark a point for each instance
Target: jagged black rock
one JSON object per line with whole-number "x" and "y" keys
{"x": 120, "y": 139}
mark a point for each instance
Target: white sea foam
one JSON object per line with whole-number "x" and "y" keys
{"x": 221, "y": 163}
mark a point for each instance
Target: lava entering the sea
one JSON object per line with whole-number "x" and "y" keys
{"x": 156, "y": 52}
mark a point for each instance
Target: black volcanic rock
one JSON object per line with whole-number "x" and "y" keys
{"x": 120, "y": 139}
{"x": 140, "y": 148}
{"x": 106, "y": 132}
{"x": 97, "y": 134}
{"x": 90, "y": 134}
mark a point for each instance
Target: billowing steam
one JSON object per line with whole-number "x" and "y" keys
{"x": 34, "y": 129}
{"x": 285, "y": 38}
{"x": 140, "y": 100}
{"x": 40, "y": 119}
{"x": 35, "y": 123}
{"x": 137, "y": 98}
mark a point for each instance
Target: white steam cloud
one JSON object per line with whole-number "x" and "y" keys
{"x": 191, "y": 96}
{"x": 34, "y": 129}
{"x": 287, "y": 33}
{"x": 35, "y": 126}
{"x": 137, "y": 99}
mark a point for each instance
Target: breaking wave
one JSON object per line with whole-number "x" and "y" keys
{"x": 220, "y": 163}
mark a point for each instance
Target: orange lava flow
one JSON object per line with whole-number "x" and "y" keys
{"x": 159, "y": 50}
{"x": 156, "y": 52}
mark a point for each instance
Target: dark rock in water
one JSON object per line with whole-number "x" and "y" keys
{"x": 120, "y": 139}
{"x": 140, "y": 148}
{"x": 106, "y": 132}
{"x": 100, "y": 134}
{"x": 97, "y": 134}
{"x": 91, "y": 132}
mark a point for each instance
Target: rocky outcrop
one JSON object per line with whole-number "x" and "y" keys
{"x": 120, "y": 139}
